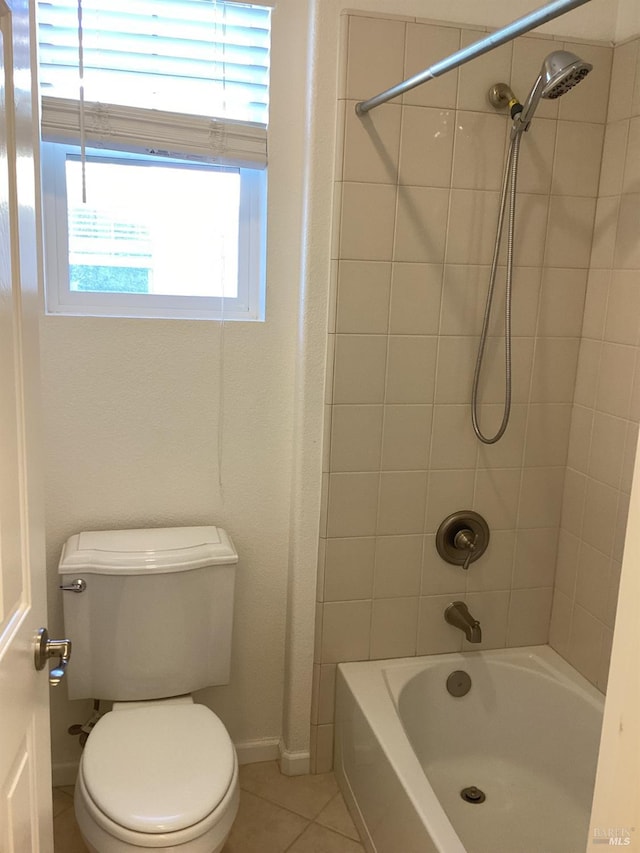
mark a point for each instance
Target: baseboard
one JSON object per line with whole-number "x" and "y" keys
{"x": 294, "y": 763}
{"x": 253, "y": 751}
{"x": 64, "y": 773}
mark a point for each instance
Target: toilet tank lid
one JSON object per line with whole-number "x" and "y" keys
{"x": 147, "y": 551}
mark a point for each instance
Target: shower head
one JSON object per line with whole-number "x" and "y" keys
{"x": 561, "y": 71}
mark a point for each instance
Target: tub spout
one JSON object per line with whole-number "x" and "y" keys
{"x": 457, "y": 614}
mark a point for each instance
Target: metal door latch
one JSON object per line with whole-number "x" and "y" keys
{"x": 44, "y": 648}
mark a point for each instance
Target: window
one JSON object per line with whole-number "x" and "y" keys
{"x": 155, "y": 237}
{"x": 172, "y": 223}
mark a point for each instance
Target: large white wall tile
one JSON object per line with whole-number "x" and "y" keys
{"x": 416, "y": 291}
{"x": 623, "y": 72}
{"x": 403, "y": 497}
{"x": 426, "y": 149}
{"x": 421, "y": 225}
{"x": 613, "y": 158}
{"x": 372, "y": 144}
{"x": 356, "y": 438}
{"x": 394, "y": 623}
{"x": 529, "y": 616}
{"x": 411, "y": 369}
{"x": 428, "y": 44}
{"x": 398, "y": 566}
{"x": 359, "y": 368}
{"x": 420, "y": 193}
{"x": 353, "y": 500}
{"x": 589, "y": 100}
{"x": 576, "y": 170}
{"x": 363, "y": 237}
{"x": 349, "y": 569}
{"x": 407, "y": 438}
{"x": 480, "y": 140}
{"x": 375, "y": 55}
{"x": 478, "y": 76}
{"x": 363, "y": 297}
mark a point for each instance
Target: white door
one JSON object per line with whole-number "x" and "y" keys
{"x": 25, "y": 765}
{"x": 615, "y": 816}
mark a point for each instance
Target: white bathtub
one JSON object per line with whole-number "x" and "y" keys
{"x": 526, "y": 734}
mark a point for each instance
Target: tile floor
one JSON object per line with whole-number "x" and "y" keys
{"x": 297, "y": 814}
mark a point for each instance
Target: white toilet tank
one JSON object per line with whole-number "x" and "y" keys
{"x": 155, "y": 615}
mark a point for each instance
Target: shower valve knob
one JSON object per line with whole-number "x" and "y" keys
{"x": 462, "y": 538}
{"x": 466, "y": 540}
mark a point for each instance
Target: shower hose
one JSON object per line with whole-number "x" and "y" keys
{"x": 509, "y": 182}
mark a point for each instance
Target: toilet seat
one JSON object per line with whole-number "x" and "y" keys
{"x": 158, "y": 769}
{"x": 102, "y": 834}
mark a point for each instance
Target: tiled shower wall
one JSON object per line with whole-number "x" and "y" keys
{"x": 604, "y": 425}
{"x": 417, "y": 198}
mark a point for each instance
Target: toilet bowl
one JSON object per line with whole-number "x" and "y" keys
{"x": 157, "y": 775}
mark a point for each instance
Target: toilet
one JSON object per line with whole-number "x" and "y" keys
{"x": 150, "y": 615}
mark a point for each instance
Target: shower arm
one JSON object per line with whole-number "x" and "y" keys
{"x": 516, "y": 28}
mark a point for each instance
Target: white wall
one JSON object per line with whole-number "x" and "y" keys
{"x": 131, "y": 419}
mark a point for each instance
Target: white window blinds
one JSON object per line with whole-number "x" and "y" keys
{"x": 174, "y": 77}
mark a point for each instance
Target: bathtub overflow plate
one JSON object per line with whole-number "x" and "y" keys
{"x": 459, "y": 683}
{"x": 473, "y": 795}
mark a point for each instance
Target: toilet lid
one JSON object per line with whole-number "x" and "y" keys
{"x": 158, "y": 768}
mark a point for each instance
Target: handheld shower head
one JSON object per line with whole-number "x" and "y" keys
{"x": 560, "y": 72}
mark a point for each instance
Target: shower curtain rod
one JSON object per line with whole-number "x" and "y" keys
{"x": 516, "y": 28}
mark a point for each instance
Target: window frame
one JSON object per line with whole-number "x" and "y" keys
{"x": 61, "y": 300}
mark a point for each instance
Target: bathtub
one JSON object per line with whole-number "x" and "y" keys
{"x": 526, "y": 734}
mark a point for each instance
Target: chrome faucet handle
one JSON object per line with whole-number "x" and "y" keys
{"x": 466, "y": 539}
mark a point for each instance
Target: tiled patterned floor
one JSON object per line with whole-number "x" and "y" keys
{"x": 297, "y": 814}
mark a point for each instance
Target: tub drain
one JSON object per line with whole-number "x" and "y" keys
{"x": 459, "y": 683}
{"x": 473, "y": 795}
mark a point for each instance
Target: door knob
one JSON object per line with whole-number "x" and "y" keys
{"x": 44, "y": 648}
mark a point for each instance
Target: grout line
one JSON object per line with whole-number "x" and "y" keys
{"x": 326, "y": 829}
{"x": 297, "y": 838}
